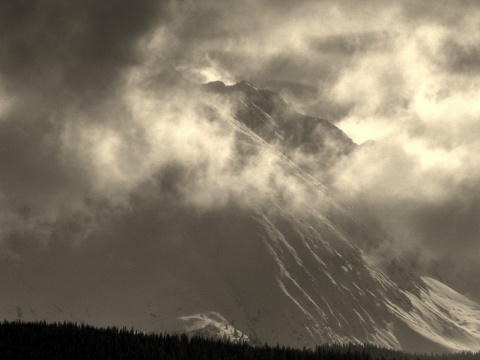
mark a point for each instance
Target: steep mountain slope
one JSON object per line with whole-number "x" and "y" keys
{"x": 442, "y": 316}
{"x": 269, "y": 261}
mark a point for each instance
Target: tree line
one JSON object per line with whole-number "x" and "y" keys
{"x": 41, "y": 340}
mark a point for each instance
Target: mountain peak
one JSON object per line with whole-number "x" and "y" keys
{"x": 215, "y": 85}
{"x": 278, "y": 123}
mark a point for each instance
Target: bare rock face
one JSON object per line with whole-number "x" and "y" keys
{"x": 270, "y": 117}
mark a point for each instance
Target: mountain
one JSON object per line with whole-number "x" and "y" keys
{"x": 273, "y": 261}
{"x": 320, "y": 143}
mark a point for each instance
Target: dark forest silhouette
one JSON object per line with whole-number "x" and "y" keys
{"x": 40, "y": 340}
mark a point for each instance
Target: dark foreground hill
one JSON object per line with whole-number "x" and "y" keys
{"x": 71, "y": 341}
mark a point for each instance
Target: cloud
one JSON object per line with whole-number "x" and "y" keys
{"x": 417, "y": 101}
{"x": 58, "y": 62}
{"x": 164, "y": 139}
{"x": 90, "y": 119}
{"x": 404, "y": 74}
{"x": 72, "y": 51}
{"x": 268, "y": 45}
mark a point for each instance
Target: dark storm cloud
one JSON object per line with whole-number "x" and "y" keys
{"x": 451, "y": 223}
{"x": 350, "y": 44}
{"x": 460, "y": 58}
{"x": 29, "y": 168}
{"x": 60, "y": 62}
{"x": 443, "y": 12}
{"x": 70, "y": 51}
{"x": 198, "y": 22}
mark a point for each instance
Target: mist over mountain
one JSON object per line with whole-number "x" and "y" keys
{"x": 321, "y": 185}
{"x": 314, "y": 144}
{"x": 205, "y": 220}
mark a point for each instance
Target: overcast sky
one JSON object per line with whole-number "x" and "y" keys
{"x": 79, "y": 101}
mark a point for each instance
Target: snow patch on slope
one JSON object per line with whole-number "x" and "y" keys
{"x": 443, "y": 316}
{"x": 213, "y": 325}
